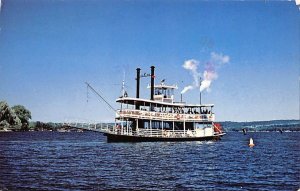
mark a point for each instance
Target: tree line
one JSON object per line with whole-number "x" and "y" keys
{"x": 14, "y": 118}
{"x": 273, "y": 125}
{"x": 17, "y": 118}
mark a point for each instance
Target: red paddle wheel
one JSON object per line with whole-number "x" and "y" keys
{"x": 217, "y": 128}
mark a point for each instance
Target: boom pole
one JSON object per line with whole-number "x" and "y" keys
{"x": 98, "y": 94}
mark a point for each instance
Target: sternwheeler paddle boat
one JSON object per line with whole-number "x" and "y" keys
{"x": 160, "y": 118}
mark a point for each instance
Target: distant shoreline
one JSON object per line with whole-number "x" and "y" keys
{"x": 287, "y": 131}
{"x": 228, "y": 126}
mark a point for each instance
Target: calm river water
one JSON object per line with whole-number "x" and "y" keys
{"x": 84, "y": 161}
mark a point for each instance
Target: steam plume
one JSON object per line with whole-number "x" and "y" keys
{"x": 219, "y": 59}
{"x": 187, "y": 88}
{"x": 210, "y": 73}
{"x": 208, "y": 77}
{"x": 192, "y": 66}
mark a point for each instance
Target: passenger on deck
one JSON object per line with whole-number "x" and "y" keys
{"x": 164, "y": 133}
{"x": 118, "y": 128}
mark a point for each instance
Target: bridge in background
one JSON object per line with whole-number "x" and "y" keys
{"x": 90, "y": 126}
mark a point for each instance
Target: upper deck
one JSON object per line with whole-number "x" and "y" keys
{"x": 158, "y": 103}
{"x": 162, "y": 106}
{"x": 165, "y": 116}
{"x": 138, "y": 108}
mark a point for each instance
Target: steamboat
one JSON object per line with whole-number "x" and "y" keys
{"x": 160, "y": 118}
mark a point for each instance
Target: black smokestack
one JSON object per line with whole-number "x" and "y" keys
{"x": 152, "y": 82}
{"x": 138, "y": 82}
{"x": 137, "y": 87}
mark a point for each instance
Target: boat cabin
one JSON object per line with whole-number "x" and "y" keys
{"x": 163, "y": 92}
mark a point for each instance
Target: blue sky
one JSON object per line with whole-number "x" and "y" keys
{"x": 48, "y": 49}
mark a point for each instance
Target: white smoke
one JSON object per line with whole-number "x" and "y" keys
{"x": 0, "y": 5}
{"x": 208, "y": 77}
{"x": 192, "y": 66}
{"x": 297, "y": 3}
{"x": 219, "y": 59}
{"x": 210, "y": 73}
{"x": 187, "y": 88}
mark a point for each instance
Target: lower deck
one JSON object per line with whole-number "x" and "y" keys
{"x": 112, "y": 137}
{"x": 134, "y": 125}
{"x": 137, "y": 130}
{"x": 123, "y": 134}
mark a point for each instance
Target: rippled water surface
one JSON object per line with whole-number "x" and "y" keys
{"x": 84, "y": 161}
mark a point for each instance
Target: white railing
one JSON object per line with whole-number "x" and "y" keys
{"x": 151, "y": 115}
{"x": 126, "y": 130}
{"x": 160, "y": 133}
{"x": 166, "y": 133}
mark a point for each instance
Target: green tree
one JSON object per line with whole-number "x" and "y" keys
{"x": 23, "y": 114}
{"x": 8, "y": 117}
